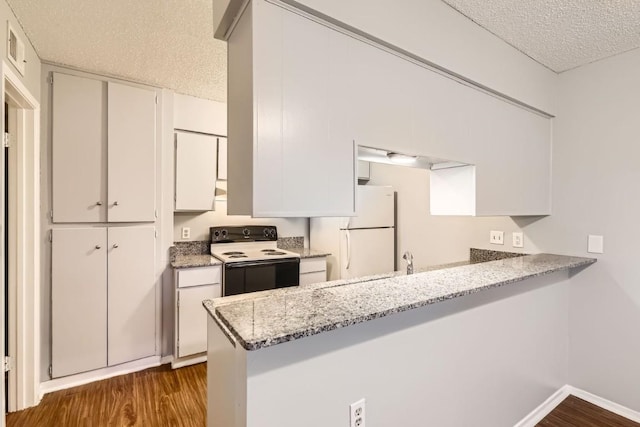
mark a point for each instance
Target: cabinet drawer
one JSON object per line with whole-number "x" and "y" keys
{"x": 311, "y": 265}
{"x": 199, "y": 276}
{"x": 315, "y": 277}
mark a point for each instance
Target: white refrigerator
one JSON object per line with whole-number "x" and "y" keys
{"x": 362, "y": 245}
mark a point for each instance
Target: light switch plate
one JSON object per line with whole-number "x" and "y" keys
{"x": 496, "y": 237}
{"x": 595, "y": 244}
{"x": 518, "y": 240}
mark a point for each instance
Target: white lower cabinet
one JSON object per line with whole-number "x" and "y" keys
{"x": 313, "y": 270}
{"x": 193, "y": 285}
{"x": 78, "y": 300}
{"x": 131, "y": 303}
{"x": 103, "y": 298}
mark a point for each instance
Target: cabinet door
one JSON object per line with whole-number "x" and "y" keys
{"x": 132, "y": 158}
{"x": 132, "y": 294}
{"x": 318, "y": 150}
{"x": 303, "y": 158}
{"x": 192, "y": 318}
{"x": 222, "y": 158}
{"x": 78, "y": 300}
{"x": 196, "y": 160}
{"x": 79, "y": 144}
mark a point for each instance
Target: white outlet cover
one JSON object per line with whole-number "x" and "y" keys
{"x": 595, "y": 244}
{"x": 186, "y": 232}
{"x": 518, "y": 240}
{"x": 496, "y": 237}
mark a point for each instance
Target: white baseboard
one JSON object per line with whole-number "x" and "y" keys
{"x": 535, "y": 416}
{"x": 98, "y": 374}
{"x": 610, "y": 406}
{"x": 189, "y": 360}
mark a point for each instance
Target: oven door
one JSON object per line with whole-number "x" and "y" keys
{"x": 253, "y": 276}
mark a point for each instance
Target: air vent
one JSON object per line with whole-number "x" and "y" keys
{"x": 15, "y": 49}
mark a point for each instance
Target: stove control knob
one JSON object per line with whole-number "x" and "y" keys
{"x": 272, "y": 233}
{"x": 246, "y": 232}
{"x": 216, "y": 234}
{"x": 223, "y": 233}
{"x": 266, "y": 232}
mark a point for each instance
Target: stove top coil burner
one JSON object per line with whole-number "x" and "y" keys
{"x": 240, "y": 255}
{"x": 233, "y": 253}
{"x": 275, "y": 253}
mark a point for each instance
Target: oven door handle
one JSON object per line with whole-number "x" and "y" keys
{"x": 260, "y": 263}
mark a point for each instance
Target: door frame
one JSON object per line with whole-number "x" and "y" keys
{"x": 25, "y": 328}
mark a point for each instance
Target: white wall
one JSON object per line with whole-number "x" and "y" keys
{"x": 437, "y": 239}
{"x": 485, "y": 359}
{"x": 596, "y": 176}
{"x": 31, "y": 79}
{"x": 434, "y": 31}
{"x": 200, "y": 223}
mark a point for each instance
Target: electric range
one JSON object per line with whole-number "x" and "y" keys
{"x": 252, "y": 260}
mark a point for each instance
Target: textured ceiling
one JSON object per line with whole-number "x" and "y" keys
{"x": 169, "y": 43}
{"x": 560, "y": 34}
{"x": 166, "y": 43}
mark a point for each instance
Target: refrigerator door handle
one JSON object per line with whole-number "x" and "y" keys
{"x": 347, "y": 234}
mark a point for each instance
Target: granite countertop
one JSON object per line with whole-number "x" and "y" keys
{"x": 190, "y": 261}
{"x": 308, "y": 253}
{"x": 267, "y": 318}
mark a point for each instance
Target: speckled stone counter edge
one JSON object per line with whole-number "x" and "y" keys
{"x": 210, "y": 305}
{"x": 484, "y": 255}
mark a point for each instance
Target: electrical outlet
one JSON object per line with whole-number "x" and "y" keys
{"x": 518, "y": 239}
{"x": 496, "y": 237}
{"x": 356, "y": 414}
{"x": 186, "y": 232}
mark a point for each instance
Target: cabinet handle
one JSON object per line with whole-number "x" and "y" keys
{"x": 98, "y": 247}
{"x": 115, "y": 203}
{"x": 98, "y": 203}
{"x": 115, "y": 245}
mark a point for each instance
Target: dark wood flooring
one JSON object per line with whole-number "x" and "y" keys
{"x": 154, "y": 397}
{"x": 575, "y": 412}
{"x": 166, "y": 397}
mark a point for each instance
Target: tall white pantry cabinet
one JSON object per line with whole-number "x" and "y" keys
{"x": 103, "y": 189}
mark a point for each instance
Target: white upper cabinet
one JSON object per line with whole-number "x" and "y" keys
{"x": 132, "y": 154}
{"x": 301, "y": 92}
{"x": 196, "y": 160}
{"x": 291, "y": 149}
{"x": 79, "y": 149}
{"x": 199, "y": 115}
{"x": 103, "y": 155}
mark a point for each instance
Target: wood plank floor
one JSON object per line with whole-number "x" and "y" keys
{"x": 575, "y": 412}
{"x": 154, "y": 397}
{"x": 166, "y": 397}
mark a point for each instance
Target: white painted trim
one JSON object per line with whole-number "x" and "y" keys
{"x": 545, "y": 408}
{"x": 189, "y": 360}
{"x": 535, "y": 416}
{"x": 98, "y": 374}
{"x": 610, "y": 406}
{"x": 28, "y": 244}
{"x": 164, "y": 360}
